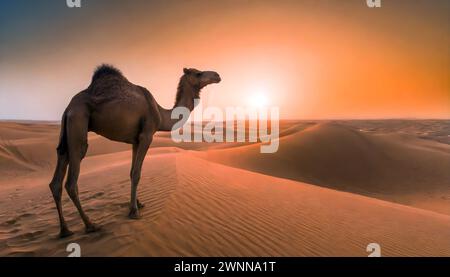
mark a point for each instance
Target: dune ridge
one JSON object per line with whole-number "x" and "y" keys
{"x": 211, "y": 212}
{"x": 198, "y": 206}
{"x": 392, "y": 167}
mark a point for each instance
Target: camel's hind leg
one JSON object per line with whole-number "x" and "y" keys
{"x": 77, "y": 129}
{"x": 56, "y": 188}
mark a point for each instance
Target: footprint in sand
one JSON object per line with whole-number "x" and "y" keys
{"x": 93, "y": 196}
{"x": 15, "y": 220}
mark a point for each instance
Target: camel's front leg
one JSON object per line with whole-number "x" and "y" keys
{"x": 139, "y": 151}
{"x": 140, "y": 205}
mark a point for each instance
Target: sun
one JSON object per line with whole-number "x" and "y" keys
{"x": 258, "y": 100}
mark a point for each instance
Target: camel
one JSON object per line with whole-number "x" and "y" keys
{"x": 115, "y": 108}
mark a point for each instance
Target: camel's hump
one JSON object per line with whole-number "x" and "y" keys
{"x": 106, "y": 70}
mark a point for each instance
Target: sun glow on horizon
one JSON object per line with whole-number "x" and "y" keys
{"x": 258, "y": 100}
{"x": 269, "y": 54}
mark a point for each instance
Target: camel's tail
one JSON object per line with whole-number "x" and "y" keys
{"x": 62, "y": 145}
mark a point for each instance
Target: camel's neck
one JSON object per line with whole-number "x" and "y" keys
{"x": 185, "y": 98}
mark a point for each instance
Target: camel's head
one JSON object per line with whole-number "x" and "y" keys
{"x": 199, "y": 78}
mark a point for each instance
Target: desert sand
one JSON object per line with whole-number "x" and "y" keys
{"x": 330, "y": 190}
{"x": 392, "y": 166}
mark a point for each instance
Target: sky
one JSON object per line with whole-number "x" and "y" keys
{"x": 314, "y": 59}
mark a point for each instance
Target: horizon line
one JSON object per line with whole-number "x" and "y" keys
{"x": 281, "y": 119}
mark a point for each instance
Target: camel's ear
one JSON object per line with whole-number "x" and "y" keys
{"x": 186, "y": 70}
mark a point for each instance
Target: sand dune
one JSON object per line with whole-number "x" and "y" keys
{"x": 30, "y": 147}
{"x": 26, "y": 147}
{"x": 217, "y": 210}
{"x": 197, "y": 207}
{"x": 394, "y": 167}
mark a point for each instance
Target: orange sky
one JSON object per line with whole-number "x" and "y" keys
{"x": 313, "y": 59}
